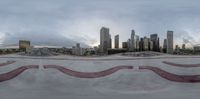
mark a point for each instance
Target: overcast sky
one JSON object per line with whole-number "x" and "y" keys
{"x": 66, "y": 22}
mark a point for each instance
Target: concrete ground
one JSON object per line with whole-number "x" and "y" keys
{"x": 98, "y": 77}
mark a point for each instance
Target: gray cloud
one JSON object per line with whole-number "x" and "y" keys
{"x": 65, "y": 22}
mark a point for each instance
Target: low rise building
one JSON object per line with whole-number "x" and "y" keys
{"x": 197, "y": 48}
{"x": 24, "y": 44}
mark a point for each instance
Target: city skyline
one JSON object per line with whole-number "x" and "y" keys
{"x": 135, "y": 38}
{"x": 136, "y": 43}
{"x": 75, "y": 21}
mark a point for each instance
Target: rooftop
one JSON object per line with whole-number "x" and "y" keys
{"x": 112, "y": 77}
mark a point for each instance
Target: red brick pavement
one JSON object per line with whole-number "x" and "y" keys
{"x": 16, "y": 72}
{"x": 86, "y": 74}
{"x": 173, "y": 77}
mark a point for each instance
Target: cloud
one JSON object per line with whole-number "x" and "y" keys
{"x": 66, "y": 22}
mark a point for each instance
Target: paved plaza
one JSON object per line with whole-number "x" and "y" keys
{"x": 112, "y": 77}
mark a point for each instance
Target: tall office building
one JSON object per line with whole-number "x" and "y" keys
{"x": 137, "y": 43}
{"x": 170, "y": 42}
{"x": 141, "y": 44}
{"x": 165, "y": 43}
{"x": 165, "y": 46}
{"x": 116, "y": 41}
{"x": 129, "y": 44}
{"x": 77, "y": 52}
{"x": 105, "y": 40}
{"x": 156, "y": 45}
{"x": 124, "y": 45}
{"x": 145, "y": 44}
{"x": 110, "y": 42}
{"x": 183, "y": 47}
{"x": 132, "y": 42}
{"x": 150, "y": 45}
{"x": 177, "y": 49}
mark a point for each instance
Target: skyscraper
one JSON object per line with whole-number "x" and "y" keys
{"x": 165, "y": 46}
{"x": 177, "y": 49}
{"x": 105, "y": 40}
{"x": 141, "y": 44}
{"x": 77, "y": 52}
{"x": 145, "y": 44}
{"x": 132, "y": 43}
{"x": 124, "y": 45}
{"x": 129, "y": 44}
{"x": 155, "y": 39}
{"x": 110, "y": 42}
{"x": 183, "y": 47}
{"x": 116, "y": 41}
{"x": 150, "y": 45}
{"x": 170, "y": 42}
{"x": 137, "y": 43}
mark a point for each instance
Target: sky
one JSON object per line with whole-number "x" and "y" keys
{"x": 67, "y": 22}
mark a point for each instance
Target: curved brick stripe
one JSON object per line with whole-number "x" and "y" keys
{"x": 182, "y": 65}
{"x": 16, "y": 72}
{"x": 7, "y": 63}
{"x": 173, "y": 77}
{"x": 88, "y": 75}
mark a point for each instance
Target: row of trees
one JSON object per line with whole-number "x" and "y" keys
{"x": 8, "y": 51}
{"x": 187, "y": 52}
